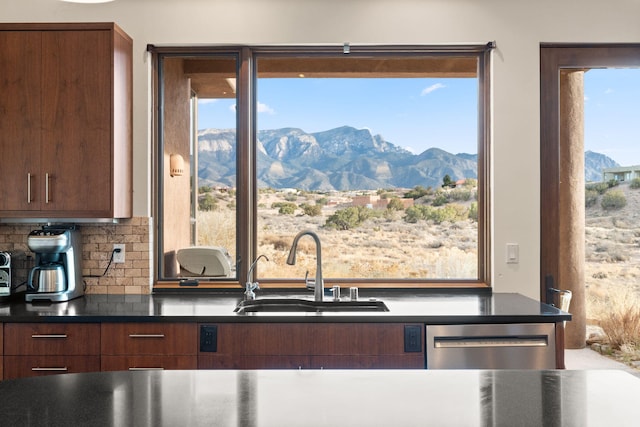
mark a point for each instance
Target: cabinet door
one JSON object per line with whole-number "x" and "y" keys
{"x": 135, "y": 339}
{"x": 313, "y": 345}
{"x": 20, "y": 124}
{"x": 48, "y": 339}
{"x": 76, "y": 122}
{"x": 147, "y": 363}
{"x": 31, "y": 366}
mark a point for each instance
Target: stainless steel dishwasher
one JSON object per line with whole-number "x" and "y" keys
{"x": 491, "y": 346}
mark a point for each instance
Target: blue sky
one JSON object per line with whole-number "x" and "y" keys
{"x": 612, "y": 114}
{"x": 417, "y": 114}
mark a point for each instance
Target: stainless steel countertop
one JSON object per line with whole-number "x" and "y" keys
{"x": 324, "y": 398}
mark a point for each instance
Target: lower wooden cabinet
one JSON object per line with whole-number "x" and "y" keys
{"x": 147, "y": 362}
{"x": 32, "y": 349}
{"x": 152, "y": 345}
{"x": 30, "y": 366}
{"x": 311, "y": 346}
{"x": 1, "y": 353}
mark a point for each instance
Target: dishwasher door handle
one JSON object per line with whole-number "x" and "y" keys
{"x": 488, "y": 342}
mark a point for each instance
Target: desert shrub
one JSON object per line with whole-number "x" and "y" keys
{"x": 284, "y": 208}
{"x": 612, "y": 183}
{"x": 613, "y": 199}
{"x": 207, "y": 203}
{"x": 311, "y": 210}
{"x": 322, "y": 201}
{"x": 473, "y": 211}
{"x": 416, "y": 213}
{"x": 440, "y": 199}
{"x": 418, "y": 191}
{"x": 395, "y": 204}
{"x": 599, "y": 187}
{"x": 291, "y": 197}
{"x": 348, "y": 218}
{"x": 635, "y": 183}
{"x": 590, "y": 197}
{"x": 450, "y": 213}
{"x": 460, "y": 194}
{"x": 619, "y": 316}
{"x": 470, "y": 182}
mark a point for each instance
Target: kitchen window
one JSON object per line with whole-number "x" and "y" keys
{"x": 383, "y": 152}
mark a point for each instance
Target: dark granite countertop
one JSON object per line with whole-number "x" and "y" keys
{"x": 424, "y": 307}
{"x": 324, "y": 398}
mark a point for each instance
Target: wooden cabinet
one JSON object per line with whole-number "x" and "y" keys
{"x": 148, "y": 346}
{"x": 32, "y": 349}
{"x": 1, "y": 353}
{"x": 312, "y": 345}
{"x": 65, "y": 121}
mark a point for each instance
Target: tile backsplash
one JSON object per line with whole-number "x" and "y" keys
{"x": 131, "y": 277}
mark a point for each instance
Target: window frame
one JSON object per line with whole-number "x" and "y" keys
{"x": 246, "y": 181}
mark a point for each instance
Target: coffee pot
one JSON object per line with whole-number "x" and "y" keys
{"x": 48, "y": 278}
{"x": 57, "y": 275}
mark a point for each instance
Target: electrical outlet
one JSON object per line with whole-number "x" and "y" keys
{"x": 118, "y": 257}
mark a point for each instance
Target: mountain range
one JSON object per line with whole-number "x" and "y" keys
{"x": 343, "y": 158}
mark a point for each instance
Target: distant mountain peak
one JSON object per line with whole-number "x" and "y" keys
{"x": 343, "y": 158}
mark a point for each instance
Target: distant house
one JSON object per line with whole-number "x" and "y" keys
{"x": 622, "y": 173}
{"x": 376, "y": 202}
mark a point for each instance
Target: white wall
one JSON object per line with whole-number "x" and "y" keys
{"x": 517, "y": 26}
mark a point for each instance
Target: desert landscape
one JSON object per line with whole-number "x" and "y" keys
{"x": 386, "y": 246}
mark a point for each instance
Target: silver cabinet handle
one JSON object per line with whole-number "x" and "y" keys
{"x": 146, "y": 335}
{"x": 62, "y": 369}
{"x": 29, "y": 188}
{"x": 49, "y": 336}
{"x": 486, "y": 342}
{"x": 146, "y": 369}
{"x": 46, "y": 188}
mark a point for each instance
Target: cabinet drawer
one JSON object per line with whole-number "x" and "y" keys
{"x": 123, "y": 363}
{"x": 30, "y": 366}
{"x": 51, "y": 339}
{"x": 149, "y": 338}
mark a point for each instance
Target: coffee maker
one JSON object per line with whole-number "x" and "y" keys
{"x": 57, "y": 274}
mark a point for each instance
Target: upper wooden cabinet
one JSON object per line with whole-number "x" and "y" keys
{"x": 65, "y": 121}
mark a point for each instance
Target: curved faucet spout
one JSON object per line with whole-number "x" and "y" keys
{"x": 251, "y": 286}
{"x": 291, "y": 260}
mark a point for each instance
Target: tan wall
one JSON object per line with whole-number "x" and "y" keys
{"x": 176, "y": 224}
{"x": 130, "y": 277}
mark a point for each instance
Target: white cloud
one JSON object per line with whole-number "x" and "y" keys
{"x": 433, "y": 87}
{"x": 608, "y": 91}
{"x": 202, "y": 101}
{"x": 264, "y": 108}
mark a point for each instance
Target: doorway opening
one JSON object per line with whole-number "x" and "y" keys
{"x": 562, "y": 147}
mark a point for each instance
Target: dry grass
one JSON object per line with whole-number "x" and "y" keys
{"x": 381, "y": 248}
{"x": 618, "y": 315}
{"x": 612, "y": 273}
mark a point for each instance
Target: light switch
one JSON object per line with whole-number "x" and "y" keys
{"x": 513, "y": 253}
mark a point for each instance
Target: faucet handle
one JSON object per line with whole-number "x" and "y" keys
{"x": 309, "y": 283}
{"x": 250, "y": 287}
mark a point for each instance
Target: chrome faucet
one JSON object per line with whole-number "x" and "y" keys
{"x": 251, "y": 286}
{"x": 318, "y": 284}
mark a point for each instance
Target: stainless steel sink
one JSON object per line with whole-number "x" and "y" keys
{"x": 302, "y": 305}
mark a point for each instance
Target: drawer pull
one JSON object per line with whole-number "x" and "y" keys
{"x": 49, "y": 336}
{"x": 146, "y": 369}
{"x": 63, "y": 369}
{"x": 146, "y": 335}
